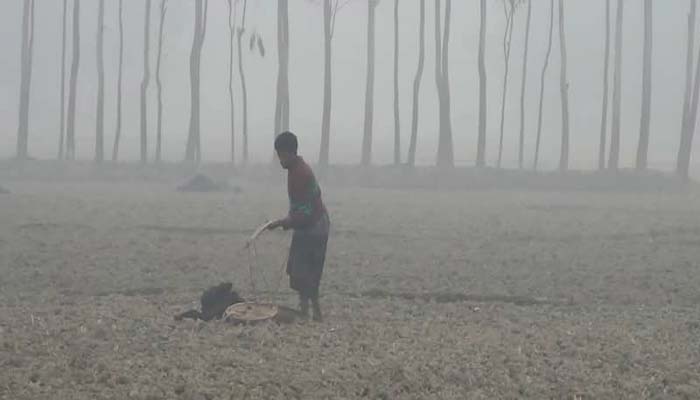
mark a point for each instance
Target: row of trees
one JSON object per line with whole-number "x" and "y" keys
{"x": 607, "y": 157}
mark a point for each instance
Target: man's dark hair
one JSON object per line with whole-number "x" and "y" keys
{"x": 286, "y": 141}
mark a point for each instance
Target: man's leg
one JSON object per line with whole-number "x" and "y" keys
{"x": 304, "y": 304}
{"x": 319, "y": 262}
{"x": 316, "y": 308}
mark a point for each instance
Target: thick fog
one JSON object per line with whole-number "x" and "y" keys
{"x": 585, "y": 35}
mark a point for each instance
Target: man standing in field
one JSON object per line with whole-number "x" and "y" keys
{"x": 309, "y": 220}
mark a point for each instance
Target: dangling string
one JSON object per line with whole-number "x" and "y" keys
{"x": 251, "y": 257}
{"x": 253, "y": 264}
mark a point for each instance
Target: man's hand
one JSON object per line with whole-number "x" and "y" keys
{"x": 280, "y": 223}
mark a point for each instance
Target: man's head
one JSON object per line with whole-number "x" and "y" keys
{"x": 286, "y": 146}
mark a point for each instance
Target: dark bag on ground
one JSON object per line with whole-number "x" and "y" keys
{"x": 214, "y": 302}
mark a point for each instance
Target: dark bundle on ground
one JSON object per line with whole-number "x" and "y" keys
{"x": 4, "y": 191}
{"x": 202, "y": 183}
{"x": 214, "y": 301}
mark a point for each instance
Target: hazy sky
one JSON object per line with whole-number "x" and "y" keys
{"x": 585, "y": 41}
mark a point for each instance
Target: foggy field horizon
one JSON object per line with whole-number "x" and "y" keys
{"x": 426, "y": 295}
{"x": 585, "y": 42}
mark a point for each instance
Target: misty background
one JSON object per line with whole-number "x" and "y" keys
{"x": 585, "y": 35}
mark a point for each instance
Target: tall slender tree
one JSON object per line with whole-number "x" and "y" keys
{"x": 481, "y": 145}
{"x": 643, "y": 145}
{"x": 118, "y": 129}
{"x": 100, "y": 119}
{"x": 509, "y": 9}
{"x": 330, "y": 11}
{"x": 193, "y": 151}
{"x": 159, "y": 83}
{"x": 369, "y": 89}
{"x": 62, "y": 129}
{"x": 691, "y": 112}
{"x": 145, "y": 82}
{"x": 397, "y": 114}
{"x": 75, "y": 67}
{"x": 26, "y": 79}
{"x": 411, "y": 159}
{"x": 521, "y": 147}
{"x": 445, "y": 152}
{"x": 232, "y": 35}
{"x": 542, "y": 82}
{"x": 244, "y": 90}
{"x": 690, "y": 42}
{"x": 282, "y": 103}
{"x": 613, "y": 161}
{"x": 564, "y": 90}
{"x": 606, "y": 91}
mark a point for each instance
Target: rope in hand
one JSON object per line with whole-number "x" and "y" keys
{"x": 253, "y": 262}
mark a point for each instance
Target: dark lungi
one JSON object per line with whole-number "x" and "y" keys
{"x": 307, "y": 256}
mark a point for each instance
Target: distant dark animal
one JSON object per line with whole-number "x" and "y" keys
{"x": 214, "y": 302}
{"x": 202, "y": 183}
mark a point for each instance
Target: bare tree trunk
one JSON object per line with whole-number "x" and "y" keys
{"x": 62, "y": 130}
{"x": 521, "y": 148}
{"x": 118, "y": 130}
{"x": 232, "y": 34}
{"x": 327, "y": 84}
{"x": 686, "y": 144}
{"x": 397, "y": 114}
{"x": 205, "y": 16}
{"x": 282, "y": 104}
{"x": 416, "y": 88}
{"x": 438, "y": 55}
{"x": 643, "y": 146}
{"x": 444, "y": 153}
{"x": 481, "y": 145}
{"x": 445, "y": 156}
{"x": 193, "y": 152}
{"x": 542, "y": 81}
{"x": 606, "y": 90}
{"x": 75, "y": 66}
{"x": 682, "y": 166}
{"x": 369, "y": 89}
{"x": 191, "y": 149}
{"x": 100, "y": 128}
{"x": 244, "y": 90}
{"x": 507, "y": 40}
{"x": 564, "y": 89}
{"x": 159, "y": 84}
{"x": 145, "y": 82}
{"x": 26, "y": 79}
{"x": 614, "y": 159}
{"x": 689, "y": 67}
